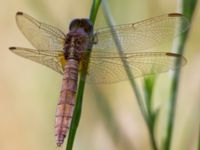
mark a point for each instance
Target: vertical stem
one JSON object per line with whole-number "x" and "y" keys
{"x": 199, "y": 139}
{"x": 79, "y": 98}
{"x": 135, "y": 88}
{"x": 94, "y": 10}
{"x": 110, "y": 22}
{"x": 188, "y": 7}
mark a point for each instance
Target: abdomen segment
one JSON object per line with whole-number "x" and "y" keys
{"x": 66, "y": 102}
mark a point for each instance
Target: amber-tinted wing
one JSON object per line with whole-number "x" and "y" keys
{"x": 52, "y": 59}
{"x": 143, "y": 35}
{"x": 40, "y": 35}
{"x": 109, "y": 68}
{"x": 138, "y": 41}
{"x": 106, "y": 64}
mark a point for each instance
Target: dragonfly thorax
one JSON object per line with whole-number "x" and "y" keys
{"x": 78, "y": 38}
{"x": 75, "y": 43}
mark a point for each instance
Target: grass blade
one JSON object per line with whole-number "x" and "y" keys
{"x": 199, "y": 139}
{"x": 81, "y": 85}
{"x": 188, "y": 7}
{"x": 135, "y": 88}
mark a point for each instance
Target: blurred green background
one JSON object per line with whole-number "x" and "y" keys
{"x": 29, "y": 91}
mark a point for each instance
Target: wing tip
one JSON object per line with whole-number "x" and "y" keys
{"x": 174, "y": 54}
{"x": 19, "y": 13}
{"x": 12, "y": 48}
{"x": 175, "y": 15}
{"x": 184, "y": 60}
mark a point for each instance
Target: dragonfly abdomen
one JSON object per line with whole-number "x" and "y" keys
{"x": 66, "y": 102}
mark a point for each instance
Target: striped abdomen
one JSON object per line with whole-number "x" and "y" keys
{"x": 66, "y": 102}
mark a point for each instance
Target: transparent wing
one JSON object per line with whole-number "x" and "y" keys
{"x": 109, "y": 68}
{"x": 52, "y": 59}
{"x": 142, "y": 35}
{"x": 40, "y": 35}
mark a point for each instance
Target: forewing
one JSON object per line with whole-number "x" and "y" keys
{"x": 109, "y": 67}
{"x": 41, "y": 36}
{"x": 52, "y": 59}
{"x": 142, "y": 35}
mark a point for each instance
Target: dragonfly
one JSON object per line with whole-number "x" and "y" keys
{"x": 67, "y": 54}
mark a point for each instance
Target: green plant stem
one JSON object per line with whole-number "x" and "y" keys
{"x": 81, "y": 85}
{"x": 199, "y": 139}
{"x": 149, "y": 87}
{"x": 188, "y": 8}
{"x": 125, "y": 63}
{"x": 94, "y": 10}
{"x": 130, "y": 75}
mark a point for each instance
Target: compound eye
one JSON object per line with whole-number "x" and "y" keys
{"x": 74, "y": 24}
{"x": 88, "y": 27}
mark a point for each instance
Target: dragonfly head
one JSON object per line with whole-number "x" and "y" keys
{"x": 84, "y": 25}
